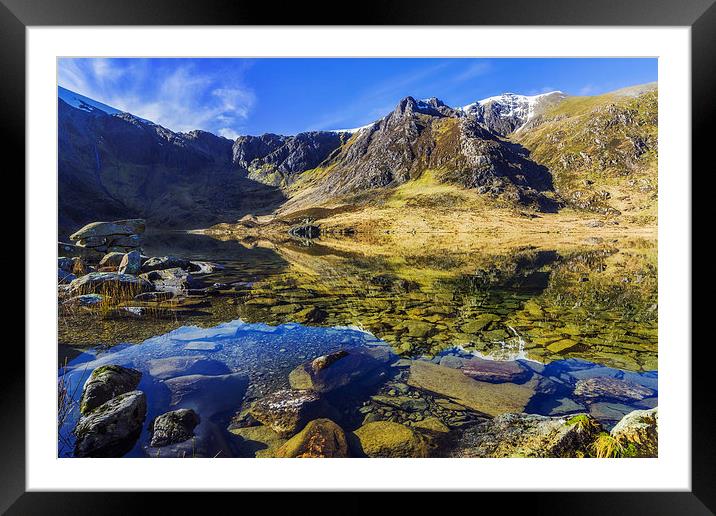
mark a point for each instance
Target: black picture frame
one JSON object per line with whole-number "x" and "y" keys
{"x": 700, "y": 15}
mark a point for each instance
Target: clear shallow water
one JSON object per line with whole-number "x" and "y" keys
{"x": 266, "y": 354}
{"x": 564, "y": 312}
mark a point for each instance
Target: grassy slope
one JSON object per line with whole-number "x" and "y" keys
{"x": 602, "y": 152}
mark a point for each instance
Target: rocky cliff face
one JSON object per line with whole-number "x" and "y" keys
{"x": 278, "y": 160}
{"x": 119, "y": 166}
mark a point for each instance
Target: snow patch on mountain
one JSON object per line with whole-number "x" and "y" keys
{"x": 511, "y": 105}
{"x": 85, "y": 103}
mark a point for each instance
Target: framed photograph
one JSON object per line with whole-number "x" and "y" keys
{"x": 447, "y": 247}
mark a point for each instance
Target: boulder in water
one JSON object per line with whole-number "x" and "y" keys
{"x": 111, "y": 429}
{"x": 105, "y": 383}
{"x": 173, "y": 427}
{"x": 320, "y": 438}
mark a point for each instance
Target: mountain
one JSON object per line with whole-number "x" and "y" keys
{"x": 601, "y": 150}
{"x": 278, "y": 160}
{"x": 509, "y": 112}
{"x": 542, "y": 152}
{"x": 114, "y": 165}
{"x": 427, "y": 135}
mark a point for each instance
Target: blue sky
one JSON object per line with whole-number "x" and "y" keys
{"x": 253, "y": 96}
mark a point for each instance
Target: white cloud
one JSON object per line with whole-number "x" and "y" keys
{"x": 228, "y": 132}
{"x": 181, "y": 95}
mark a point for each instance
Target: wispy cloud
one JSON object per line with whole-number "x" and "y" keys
{"x": 383, "y": 96}
{"x": 179, "y": 94}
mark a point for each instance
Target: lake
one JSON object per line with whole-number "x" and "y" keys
{"x": 546, "y": 314}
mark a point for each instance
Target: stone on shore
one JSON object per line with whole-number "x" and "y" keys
{"x": 489, "y": 398}
{"x": 111, "y": 260}
{"x": 530, "y": 435}
{"x": 111, "y": 429}
{"x": 174, "y": 280}
{"x": 131, "y": 263}
{"x": 321, "y": 438}
{"x": 97, "y": 282}
{"x": 639, "y": 428}
{"x": 388, "y": 439}
{"x": 105, "y": 229}
{"x": 105, "y": 383}
{"x": 173, "y": 427}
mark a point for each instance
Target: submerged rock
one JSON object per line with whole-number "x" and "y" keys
{"x": 111, "y": 429}
{"x": 388, "y": 439}
{"x": 207, "y": 395}
{"x": 105, "y": 383}
{"x": 173, "y": 427}
{"x": 321, "y": 438}
{"x": 489, "y": 370}
{"x": 96, "y": 282}
{"x": 287, "y": 411}
{"x": 530, "y": 435}
{"x": 171, "y": 367}
{"x": 640, "y": 429}
{"x": 489, "y": 398}
{"x": 335, "y": 370}
{"x": 258, "y": 441}
{"x": 611, "y": 388}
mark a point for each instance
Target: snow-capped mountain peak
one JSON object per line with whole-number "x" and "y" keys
{"x": 85, "y": 103}
{"x": 509, "y": 111}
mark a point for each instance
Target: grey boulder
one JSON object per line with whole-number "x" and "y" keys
{"x": 111, "y": 429}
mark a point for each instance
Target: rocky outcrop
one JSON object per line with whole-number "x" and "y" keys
{"x": 105, "y": 383}
{"x": 638, "y": 431}
{"x": 111, "y": 429}
{"x": 321, "y": 438}
{"x": 530, "y": 435}
{"x": 287, "y": 411}
{"x": 173, "y": 427}
{"x": 388, "y": 439}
